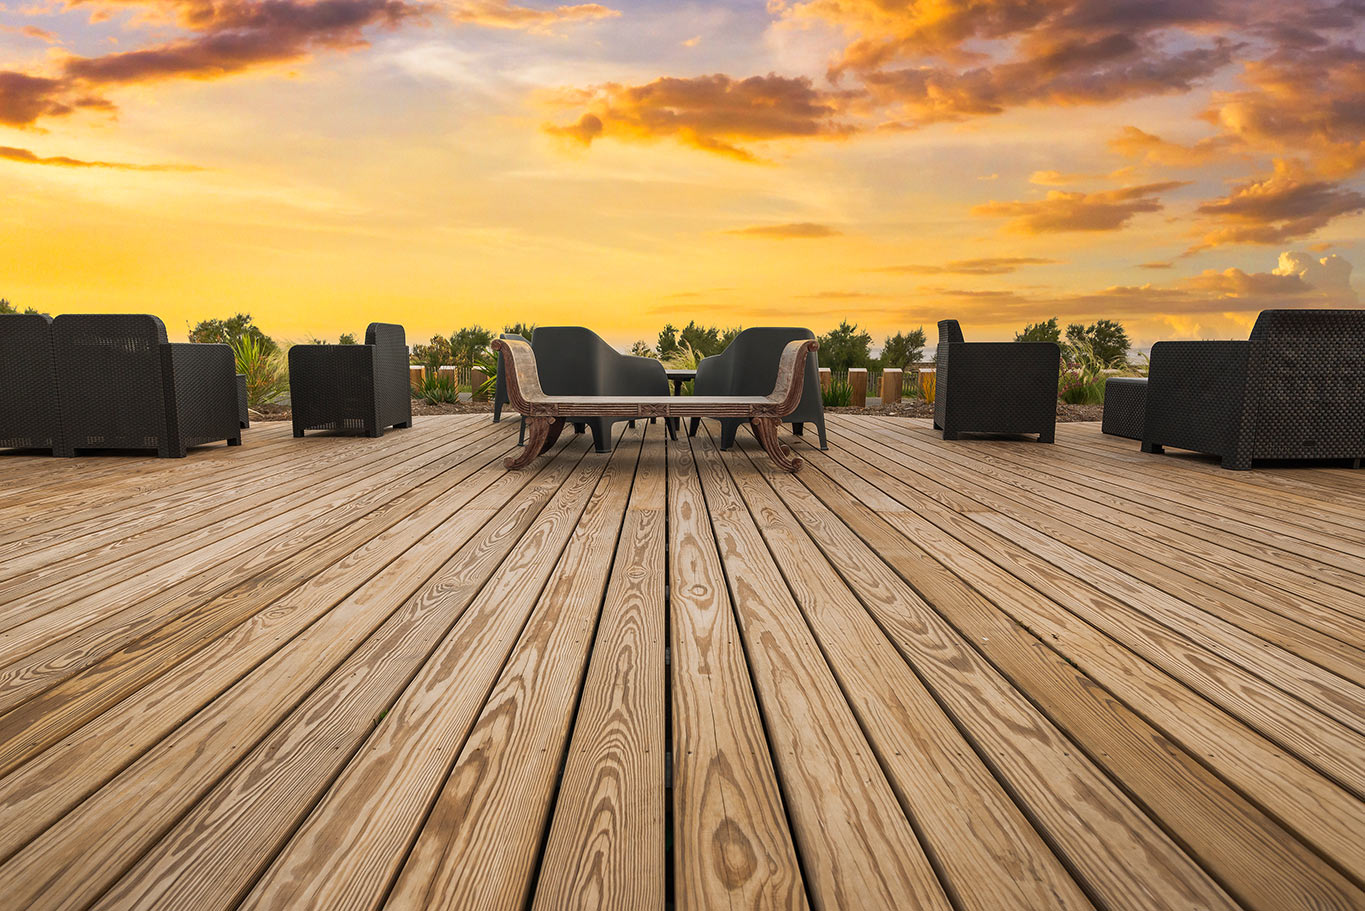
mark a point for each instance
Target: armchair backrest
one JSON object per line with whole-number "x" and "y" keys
{"x": 111, "y": 379}
{"x": 1306, "y": 371}
{"x": 949, "y": 332}
{"x": 28, "y": 382}
{"x": 753, "y": 359}
{"x": 393, "y": 395}
{"x": 573, "y": 360}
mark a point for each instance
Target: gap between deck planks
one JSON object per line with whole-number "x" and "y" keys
{"x": 457, "y": 697}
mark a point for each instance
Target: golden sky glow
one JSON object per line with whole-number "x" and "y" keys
{"x": 325, "y": 163}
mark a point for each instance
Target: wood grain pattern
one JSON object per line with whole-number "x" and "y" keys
{"x": 606, "y": 846}
{"x": 857, "y": 847}
{"x": 732, "y": 848}
{"x": 349, "y": 672}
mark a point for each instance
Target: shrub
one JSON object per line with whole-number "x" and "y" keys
{"x": 266, "y": 367}
{"x": 436, "y": 389}
{"x": 1082, "y": 377}
{"x": 839, "y": 394}
{"x": 927, "y": 387}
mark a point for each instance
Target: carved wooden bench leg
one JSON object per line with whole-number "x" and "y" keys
{"x": 766, "y": 431}
{"x": 541, "y": 432}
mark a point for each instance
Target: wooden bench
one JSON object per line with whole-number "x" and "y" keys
{"x": 546, "y": 414}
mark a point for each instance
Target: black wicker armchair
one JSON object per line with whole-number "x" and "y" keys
{"x": 352, "y": 387}
{"x": 995, "y": 387}
{"x": 1294, "y": 390}
{"x": 29, "y": 418}
{"x": 500, "y": 384}
{"x": 575, "y": 361}
{"x": 748, "y": 366}
{"x": 122, "y": 385}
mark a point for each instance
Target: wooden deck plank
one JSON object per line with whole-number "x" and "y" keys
{"x": 80, "y": 856}
{"x": 732, "y": 846}
{"x": 1024, "y": 676}
{"x": 354, "y": 842}
{"x": 1155, "y": 616}
{"x": 145, "y": 524}
{"x": 607, "y": 844}
{"x": 1117, "y": 559}
{"x": 162, "y": 593}
{"x": 46, "y": 717}
{"x": 1042, "y": 598}
{"x": 478, "y": 847}
{"x": 390, "y": 566}
{"x": 988, "y": 851}
{"x": 974, "y": 655}
{"x": 1209, "y": 553}
{"x": 856, "y": 845}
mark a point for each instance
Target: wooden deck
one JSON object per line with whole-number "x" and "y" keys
{"x": 355, "y": 673}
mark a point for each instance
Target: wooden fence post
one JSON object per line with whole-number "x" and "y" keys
{"x": 826, "y": 377}
{"x": 857, "y": 378}
{"x": 892, "y": 379}
{"x": 448, "y": 373}
{"x": 416, "y": 373}
{"x": 476, "y": 379}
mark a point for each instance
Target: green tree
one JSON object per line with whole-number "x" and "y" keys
{"x": 642, "y": 349}
{"x": 525, "y": 330}
{"x": 228, "y": 331}
{"x": 1040, "y": 332}
{"x": 468, "y": 343}
{"x": 668, "y": 342}
{"x": 845, "y": 347}
{"x": 347, "y": 339}
{"x": 434, "y": 354}
{"x": 903, "y": 349}
{"x": 728, "y": 336}
{"x": 7, "y": 307}
{"x": 1107, "y": 339}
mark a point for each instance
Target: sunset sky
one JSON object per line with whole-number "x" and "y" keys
{"x": 1175, "y": 164}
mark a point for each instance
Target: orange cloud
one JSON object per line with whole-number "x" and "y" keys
{"x": 996, "y": 265}
{"x": 32, "y": 31}
{"x": 1134, "y": 143}
{"x": 507, "y": 15}
{"x": 1287, "y": 205}
{"x": 795, "y": 230}
{"x": 1109, "y": 210}
{"x": 1308, "y": 102}
{"x": 713, "y": 113}
{"x": 25, "y": 156}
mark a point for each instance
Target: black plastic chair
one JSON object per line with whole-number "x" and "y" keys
{"x": 122, "y": 385}
{"x": 748, "y": 366}
{"x": 572, "y": 360}
{"x": 29, "y": 417}
{"x": 995, "y": 387}
{"x": 1294, "y": 390}
{"x": 364, "y": 388}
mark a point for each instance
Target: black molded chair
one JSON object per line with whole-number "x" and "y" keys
{"x": 364, "y": 388}
{"x": 1294, "y": 390}
{"x": 122, "y": 385}
{"x": 500, "y": 385}
{"x": 995, "y": 387}
{"x": 748, "y": 366}
{"x": 572, "y": 360}
{"x": 29, "y": 416}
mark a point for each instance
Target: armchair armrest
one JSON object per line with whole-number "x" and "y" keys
{"x": 1194, "y": 395}
{"x": 631, "y": 375}
{"x": 203, "y": 391}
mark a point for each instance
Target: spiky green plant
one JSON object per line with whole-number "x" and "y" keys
{"x": 839, "y": 394}
{"x": 266, "y": 369}
{"x": 438, "y": 389}
{"x": 1082, "y": 377}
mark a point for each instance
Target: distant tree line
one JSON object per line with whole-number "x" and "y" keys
{"x": 1106, "y": 340}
